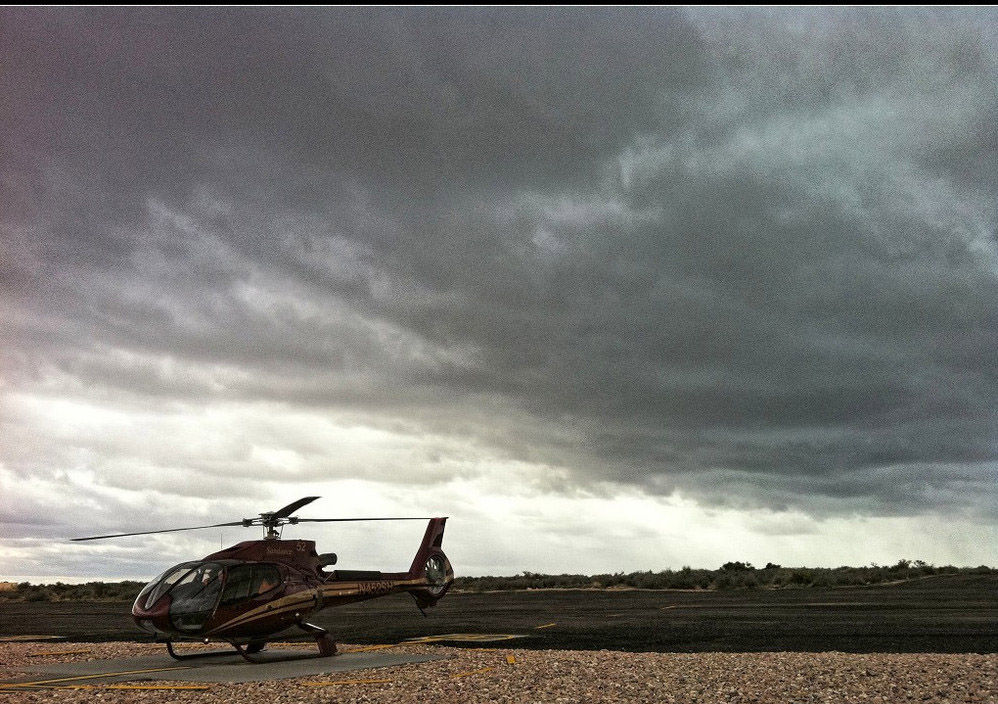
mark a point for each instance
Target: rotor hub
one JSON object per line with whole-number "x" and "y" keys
{"x": 271, "y": 523}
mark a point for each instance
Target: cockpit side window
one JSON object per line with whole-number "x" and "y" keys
{"x": 268, "y": 577}
{"x": 248, "y": 581}
{"x": 237, "y": 584}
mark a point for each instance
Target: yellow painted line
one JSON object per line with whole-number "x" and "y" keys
{"x": 169, "y": 687}
{"x": 58, "y": 652}
{"x": 370, "y": 647}
{"x": 335, "y": 682}
{"x": 546, "y": 625}
{"x": 91, "y": 677}
{"x": 65, "y": 686}
{"x": 39, "y": 687}
{"x": 472, "y": 672}
{"x": 510, "y": 660}
{"x": 464, "y": 637}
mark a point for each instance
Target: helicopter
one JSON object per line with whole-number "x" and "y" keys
{"x": 247, "y": 593}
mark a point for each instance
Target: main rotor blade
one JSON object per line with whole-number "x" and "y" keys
{"x": 150, "y": 532}
{"x": 379, "y": 518}
{"x": 292, "y": 507}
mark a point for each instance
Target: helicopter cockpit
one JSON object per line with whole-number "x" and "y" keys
{"x": 194, "y": 589}
{"x": 197, "y": 588}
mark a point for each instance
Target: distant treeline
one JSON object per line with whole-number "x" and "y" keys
{"x": 91, "y": 591}
{"x": 731, "y": 575}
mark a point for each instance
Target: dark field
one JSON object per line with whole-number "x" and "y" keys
{"x": 946, "y": 614}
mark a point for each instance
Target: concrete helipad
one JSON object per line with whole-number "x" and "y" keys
{"x": 274, "y": 665}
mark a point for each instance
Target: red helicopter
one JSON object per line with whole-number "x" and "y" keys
{"x": 247, "y": 593}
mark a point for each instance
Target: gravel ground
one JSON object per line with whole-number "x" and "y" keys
{"x": 511, "y": 675}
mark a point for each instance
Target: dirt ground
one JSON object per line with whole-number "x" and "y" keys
{"x": 517, "y": 675}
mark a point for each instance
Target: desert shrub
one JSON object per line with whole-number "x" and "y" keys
{"x": 800, "y": 578}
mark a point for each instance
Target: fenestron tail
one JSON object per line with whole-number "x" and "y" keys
{"x": 431, "y": 566}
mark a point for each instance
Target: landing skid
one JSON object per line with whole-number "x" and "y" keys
{"x": 327, "y": 648}
{"x": 193, "y": 656}
{"x": 324, "y": 641}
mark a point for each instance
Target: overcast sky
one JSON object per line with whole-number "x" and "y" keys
{"x": 615, "y": 289}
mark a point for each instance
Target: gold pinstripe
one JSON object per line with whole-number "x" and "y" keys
{"x": 295, "y": 601}
{"x": 288, "y": 603}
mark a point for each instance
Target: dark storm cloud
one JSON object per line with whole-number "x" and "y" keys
{"x": 748, "y": 256}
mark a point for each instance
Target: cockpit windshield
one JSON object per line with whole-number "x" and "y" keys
{"x": 159, "y": 586}
{"x": 194, "y": 597}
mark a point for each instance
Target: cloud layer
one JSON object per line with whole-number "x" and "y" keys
{"x": 747, "y": 258}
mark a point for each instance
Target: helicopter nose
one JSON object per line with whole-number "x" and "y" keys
{"x": 156, "y": 618}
